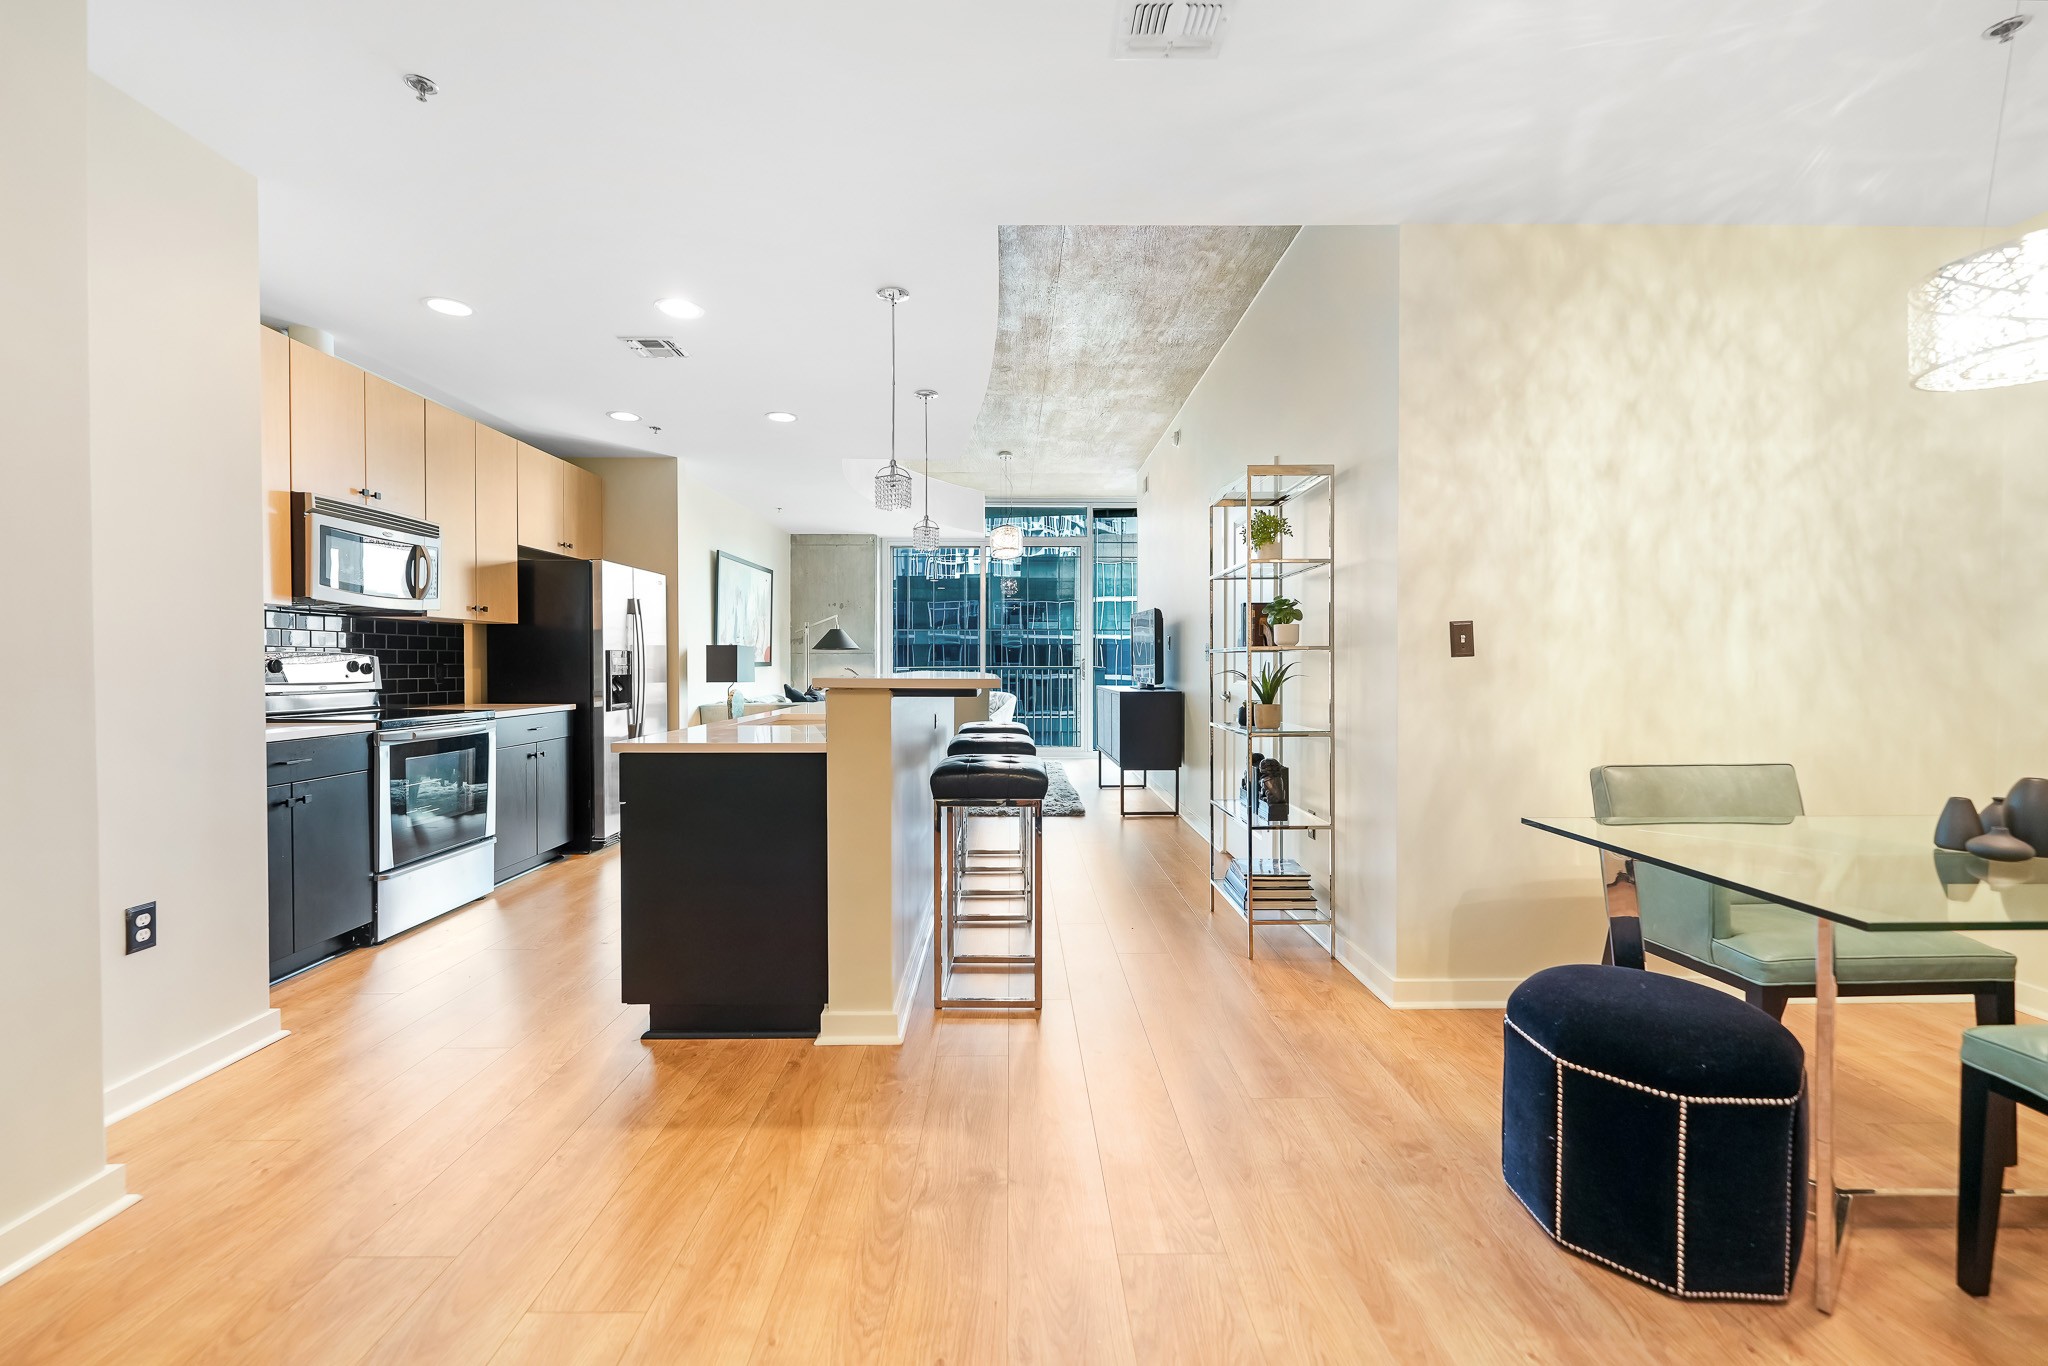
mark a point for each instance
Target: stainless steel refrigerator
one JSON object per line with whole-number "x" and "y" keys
{"x": 596, "y": 634}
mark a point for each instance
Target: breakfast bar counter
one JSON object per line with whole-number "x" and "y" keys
{"x": 775, "y": 876}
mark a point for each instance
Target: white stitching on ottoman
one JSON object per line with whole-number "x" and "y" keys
{"x": 1651, "y": 1090}
{"x": 1681, "y": 1196}
{"x": 1557, "y": 1136}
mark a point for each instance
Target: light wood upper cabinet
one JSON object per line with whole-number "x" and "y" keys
{"x": 540, "y": 501}
{"x": 497, "y": 526}
{"x": 583, "y": 512}
{"x": 326, "y": 424}
{"x": 394, "y": 448}
{"x": 276, "y": 361}
{"x": 451, "y": 505}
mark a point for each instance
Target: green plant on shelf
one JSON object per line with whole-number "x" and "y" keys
{"x": 1268, "y": 527}
{"x": 1283, "y": 611}
{"x": 1265, "y": 684}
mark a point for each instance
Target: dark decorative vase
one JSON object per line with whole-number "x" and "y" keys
{"x": 1958, "y": 824}
{"x": 2026, "y": 811}
{"x": 2000, "y": 847}
{"x": 1992, "y": 816}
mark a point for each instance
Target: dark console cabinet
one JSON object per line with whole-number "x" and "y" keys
{"x": 320, "y": 861}
{"x": 1140, "y": 730}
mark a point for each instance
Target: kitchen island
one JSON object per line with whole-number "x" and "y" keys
{"x": 775, "y": 875}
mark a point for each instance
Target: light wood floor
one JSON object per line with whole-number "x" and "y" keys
{"x": 464, "y": 1153}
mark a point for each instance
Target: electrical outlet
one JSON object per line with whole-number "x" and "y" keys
{"x": 1461, "y": 640}
{"x": 142, "y": 929}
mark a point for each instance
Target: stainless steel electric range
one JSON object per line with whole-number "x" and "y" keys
{"x": 434, "y": 816}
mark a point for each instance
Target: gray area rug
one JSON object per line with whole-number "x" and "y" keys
{"x": 1062, "y": 798}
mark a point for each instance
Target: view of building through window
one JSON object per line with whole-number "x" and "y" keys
{"x": 1052, "y": 624}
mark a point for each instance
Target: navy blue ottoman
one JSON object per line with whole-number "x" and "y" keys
{"x": 1657, "y": 1127}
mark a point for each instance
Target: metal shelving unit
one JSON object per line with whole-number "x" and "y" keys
{"x": 1236, "y": 578}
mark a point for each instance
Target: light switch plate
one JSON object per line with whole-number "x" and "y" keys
{"x": 1461, "y": 640}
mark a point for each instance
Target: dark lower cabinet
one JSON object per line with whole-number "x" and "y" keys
{"x": 321, "y": 895}
{"x": 280, "y": 813}
{"x": 533, "y": 804}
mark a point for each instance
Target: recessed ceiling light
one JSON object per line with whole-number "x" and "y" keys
{"x": 454, "y": 308}
{"x": 679, "y": 308}
{"x": 782, "y": 417}
{"x": 623, "y": 416}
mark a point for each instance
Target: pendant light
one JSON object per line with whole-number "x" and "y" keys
{"x": 925, "y": 535}
{"x": 1981, "y": 322}
{"x": 1006, "y": 539}
{"x": 892, "y": 481}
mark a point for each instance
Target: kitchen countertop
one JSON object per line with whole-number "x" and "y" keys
{"x": 504, "y": 708}
{"x": 313, "y": 730}
{"x": 909, "y": 683}
{"x": 799, "y": 730}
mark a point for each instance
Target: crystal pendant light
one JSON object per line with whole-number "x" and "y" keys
{"x": 892, "y": 481}
{"x": 1006, "y": 539}
{"x": 1982, "y": 322}
{"x": 925, "y": 535}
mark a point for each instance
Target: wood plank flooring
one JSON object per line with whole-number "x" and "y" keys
{"x": 465, "y": 1153}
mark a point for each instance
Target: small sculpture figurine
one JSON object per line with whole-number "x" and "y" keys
{"x": 1270, "y": 803}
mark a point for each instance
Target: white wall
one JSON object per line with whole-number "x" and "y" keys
{"x": 172, "y": 306}
{"x": 1679, "y": 481}
{"x": 54, "y": 1177}
{"x": 678, "y": 534}
{"x": 1307, "y": 377}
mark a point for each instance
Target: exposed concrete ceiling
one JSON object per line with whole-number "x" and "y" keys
{"x": 1101, "y": 332}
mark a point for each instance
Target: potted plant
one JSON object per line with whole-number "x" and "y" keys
{"x": 1267, "y": 527}
{"x": 1284, "y": 616}
{"x": 1265, "y": 690}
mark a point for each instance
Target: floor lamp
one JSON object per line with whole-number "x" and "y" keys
{"x": 833, "y": 640}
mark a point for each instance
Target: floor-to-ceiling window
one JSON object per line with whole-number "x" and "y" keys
{"x": 1052, "y": 624}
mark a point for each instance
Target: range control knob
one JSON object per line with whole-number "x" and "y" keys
{"x": 275, "y": 666}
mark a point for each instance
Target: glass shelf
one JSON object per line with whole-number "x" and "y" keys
{"x": 1298, "y": 817}
{"x": 1274, "y": 484}
{"x": 1269, "y": 649}
{"x": 1281, "y": 733}
{"x": 1286, "y": 567}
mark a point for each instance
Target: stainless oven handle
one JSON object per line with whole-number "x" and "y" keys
{"x": 387, "y": 738}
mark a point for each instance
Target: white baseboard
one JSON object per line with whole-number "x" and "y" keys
{"x": 152, "y": 1084}
{"x": 2032, "y": 1000}
{"x": 58, "y": 1221}
{"x": 878, "y": 1027}
{"x": 1423, "y": 993}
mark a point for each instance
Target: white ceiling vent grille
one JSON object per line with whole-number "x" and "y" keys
{"x": 1152, "y": 29}
{"x": 655, "y": 348}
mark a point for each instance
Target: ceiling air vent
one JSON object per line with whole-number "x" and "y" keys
{"x": 1149, "y": 29}
{"x": 655, "y": 348}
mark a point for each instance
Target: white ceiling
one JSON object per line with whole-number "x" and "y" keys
{"x": 778, "y": 162}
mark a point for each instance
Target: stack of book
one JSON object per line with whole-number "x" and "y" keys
{"x": 1279, "y": 885}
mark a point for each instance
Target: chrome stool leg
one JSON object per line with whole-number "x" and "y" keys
{"x": 950, "y": 853}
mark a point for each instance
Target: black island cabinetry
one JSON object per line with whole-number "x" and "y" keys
{"x": 722, "y": 893}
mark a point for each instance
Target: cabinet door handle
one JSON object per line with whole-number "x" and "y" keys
{"x": 483, "y": 609}
{"x": 300, "y": 800}
{"x": 287, "y": 763}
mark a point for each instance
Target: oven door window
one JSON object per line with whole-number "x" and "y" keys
{"x": 368, "y": 566}
{"x": 439, "y": 796}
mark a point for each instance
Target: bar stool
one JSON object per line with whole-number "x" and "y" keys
{"x": 1015, "y": 745}
{"x": 994, "y": 728}
{"x": 979, "y": 785}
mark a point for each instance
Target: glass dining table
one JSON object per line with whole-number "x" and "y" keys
{"x": 1875, "y": 873}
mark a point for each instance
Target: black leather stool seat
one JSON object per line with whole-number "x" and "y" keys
{"x": 1017, "y": 746}
{"x": 995, "y": 728}
{"x": 988, "y": 777}
{"x": 1658, "y": 1127}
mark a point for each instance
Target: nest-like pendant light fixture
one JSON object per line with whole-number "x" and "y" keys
{"x": 1006, "y": 539}
{"x": 925, "y": 535}
{"x": 892, "y": 481}
{"x": 1982, "y": 322}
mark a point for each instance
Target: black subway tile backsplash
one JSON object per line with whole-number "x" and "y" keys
{"x": 421, "y": 661}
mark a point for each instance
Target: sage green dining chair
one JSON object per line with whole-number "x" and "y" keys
{"x": 1765, "y": 949}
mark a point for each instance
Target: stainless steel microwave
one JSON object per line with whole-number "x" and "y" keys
{"x": 363, "y": 559}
